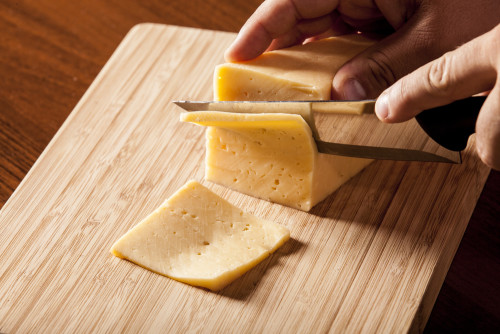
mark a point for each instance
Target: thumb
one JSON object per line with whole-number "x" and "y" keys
{"x": 463, "y": 72}
{"x": 372, "y": 71}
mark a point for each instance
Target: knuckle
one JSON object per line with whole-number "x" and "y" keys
{"x": 380, "y": 69}
{"x": 403, "y": 89}
{"x": 439, "y": 76}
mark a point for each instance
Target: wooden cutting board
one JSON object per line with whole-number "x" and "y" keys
{"x": 371, "y": 257}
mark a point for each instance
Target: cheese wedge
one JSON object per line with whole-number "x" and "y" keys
{"x": 198, "y": 238}
{"x": 271, "y": 156}
{"x": 303, "y": 72}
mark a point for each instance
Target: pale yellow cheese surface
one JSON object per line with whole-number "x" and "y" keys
{"x": 198, "y": 238}
{"x": 303, "y": 72}
{"x": 264, "y": 156}
{"x": 271, "y": 156}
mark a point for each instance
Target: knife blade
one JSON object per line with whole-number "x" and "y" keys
{"x": 351, "y": 128}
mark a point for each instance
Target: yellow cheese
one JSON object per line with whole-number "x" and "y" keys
{"x": 271, "y": 156}
{"x": 303, "y": 72}
{"x": 198, "y": 238}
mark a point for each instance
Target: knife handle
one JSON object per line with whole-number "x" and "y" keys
{"x": 451, "y": 125}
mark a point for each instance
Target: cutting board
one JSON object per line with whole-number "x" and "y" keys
{"x": 371, "y": 257}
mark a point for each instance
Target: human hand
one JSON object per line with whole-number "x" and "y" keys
{"x": 424, "y": 30}
{"x": 471, "y": 69}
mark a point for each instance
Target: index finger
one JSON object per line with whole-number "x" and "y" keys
{"x": 271, "y": 20}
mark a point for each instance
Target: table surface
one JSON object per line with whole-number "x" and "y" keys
{"x": 51, "y": 51}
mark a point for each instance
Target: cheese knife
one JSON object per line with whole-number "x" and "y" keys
{"x": 351, "y": 128}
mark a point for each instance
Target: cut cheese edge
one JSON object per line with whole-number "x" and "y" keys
{"x": 271, "y": 156}
{"x": 303, "y": 72}
{"x": 261, "y": 159}
{"x": 198, "y": 238}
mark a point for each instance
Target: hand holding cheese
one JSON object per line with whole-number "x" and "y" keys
{"x": 472, "y": 68}
{"x": 421, "y": 31}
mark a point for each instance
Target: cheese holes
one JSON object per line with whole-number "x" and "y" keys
{"x": 206, "y": 243}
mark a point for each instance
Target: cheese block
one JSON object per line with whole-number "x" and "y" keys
{"x": 271, "y": 156}
{"x": 265, "y": 156}
{"x": 303, "y": 72}
{"x": 198, "y": 238}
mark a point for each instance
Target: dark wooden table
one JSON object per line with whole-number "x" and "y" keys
{"x": 51, "y": 51}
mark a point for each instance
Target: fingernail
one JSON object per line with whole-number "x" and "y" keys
{"x": 382, "y": 106}
{"x": 353, "y": 90}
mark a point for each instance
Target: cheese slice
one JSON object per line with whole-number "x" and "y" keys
{"x": 198, "y": 238}
{"x": 303, "y": 72}
{"x": 271, "y": 156}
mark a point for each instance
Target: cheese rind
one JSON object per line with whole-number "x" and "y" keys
{"x": 271, "y": 156}
{"x": 198, "y": 238}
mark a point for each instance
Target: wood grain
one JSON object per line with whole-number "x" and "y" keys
{"x": 50, "y": 52}
{"x": 371, "y": 257}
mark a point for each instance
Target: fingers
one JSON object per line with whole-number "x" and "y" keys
{"x": 425, "y": 30}
{"x": 312, "y": 29}
{"x": 278, "y": 18}
{"x": 472, "y": 68}
{"x": 457, "y": 74}
{"x": 488, "y": 129}
{"x": 302, "y": 30}
{"x": 378, "y": 67}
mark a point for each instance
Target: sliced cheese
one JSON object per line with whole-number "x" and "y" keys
{"x": 198, "y": 238}
{"x": 271, "y": 156}
{"x": 303, "y": 72}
